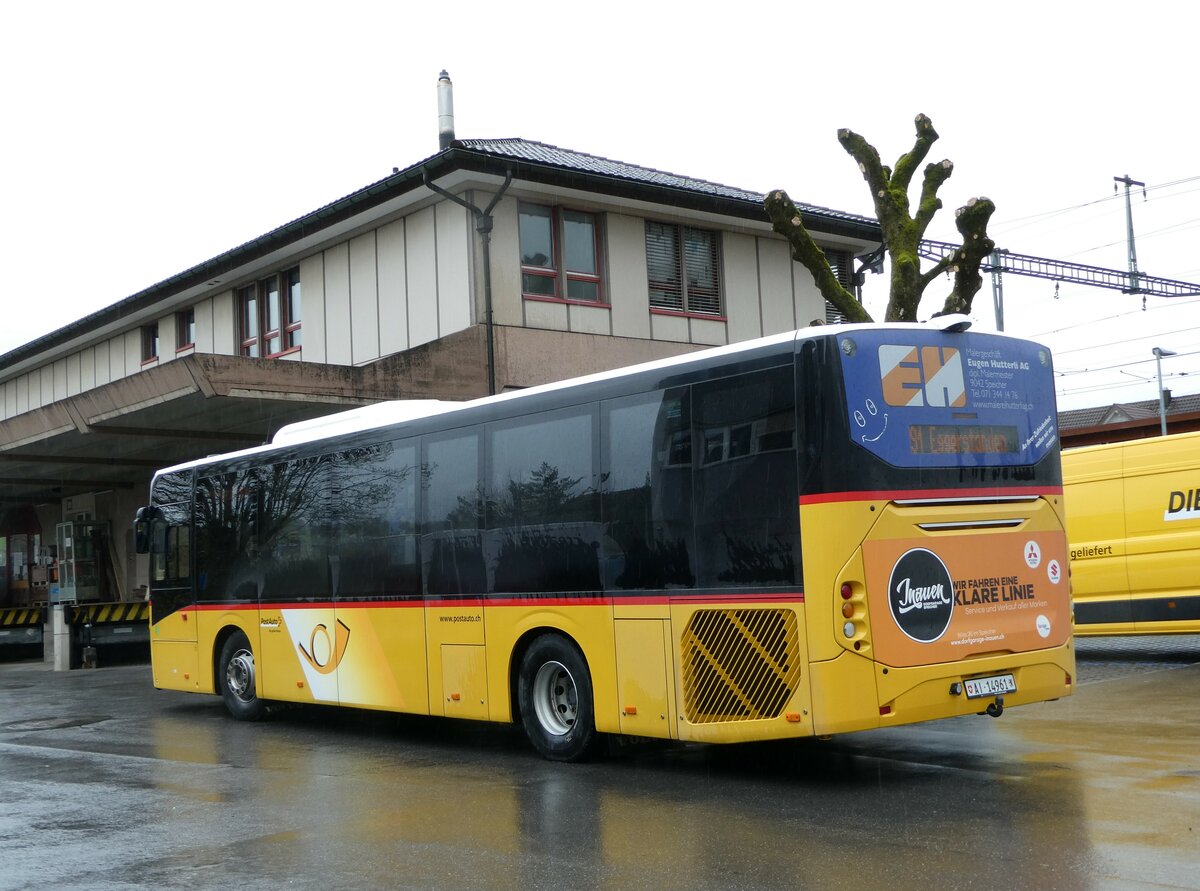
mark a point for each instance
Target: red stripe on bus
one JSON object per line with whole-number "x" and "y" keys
{"x": 905, "y": 494}
{"x": 531, "y": 601}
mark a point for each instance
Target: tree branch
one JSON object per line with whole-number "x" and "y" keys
{"x": 937, "y": 269}
{"x": 935, "y": 176}
{"x": 785, "y": 219}
{"x": 926, "y": 136}
{"x": 971, "y": 221}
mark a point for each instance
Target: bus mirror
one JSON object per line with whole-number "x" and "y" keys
{"x": 143, "y": 537}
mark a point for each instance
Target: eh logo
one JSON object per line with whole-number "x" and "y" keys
{"x": 917, "y": 376}
{"x": 327, "y": 658}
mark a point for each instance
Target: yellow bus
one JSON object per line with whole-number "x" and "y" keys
{"x": 836, "y": 529}
{"x": 1133, "y": 522}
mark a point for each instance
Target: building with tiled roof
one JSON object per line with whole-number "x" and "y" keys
{"x": 490, "y": 265}
{"x": 1128, "y": 420}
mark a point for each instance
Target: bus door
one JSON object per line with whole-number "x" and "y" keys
{"x": 172, "y": 599}
{"x": 301, "y": 640}
{"x": 164, "y": 534}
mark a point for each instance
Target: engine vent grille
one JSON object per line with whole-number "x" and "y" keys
{"x": 739, "y": 664}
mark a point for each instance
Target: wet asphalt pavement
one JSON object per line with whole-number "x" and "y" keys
{"x": 106, "y": 783}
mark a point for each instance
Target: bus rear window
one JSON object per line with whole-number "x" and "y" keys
{"x": 920, "y": 397}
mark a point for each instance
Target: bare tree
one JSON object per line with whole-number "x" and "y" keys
{"x": 902, "y": 231}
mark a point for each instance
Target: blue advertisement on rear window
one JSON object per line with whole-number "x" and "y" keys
{"x": 927, "y": 398}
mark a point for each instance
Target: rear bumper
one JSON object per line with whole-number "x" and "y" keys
{"x": 931, "y": 692}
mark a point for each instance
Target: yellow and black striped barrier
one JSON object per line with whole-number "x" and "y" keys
{"x": 109, "y": 613}
{"x": 20, "y": 616}
{"x": 20, "y": 626}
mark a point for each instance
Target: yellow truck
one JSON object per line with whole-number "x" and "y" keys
{"x": 1133, "y": 525}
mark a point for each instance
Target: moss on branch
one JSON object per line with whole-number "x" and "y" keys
{"x": 902, "y": 232}
{"x": 785, "y": 219}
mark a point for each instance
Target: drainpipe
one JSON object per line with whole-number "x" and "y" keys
{"x": 483, "y": 225}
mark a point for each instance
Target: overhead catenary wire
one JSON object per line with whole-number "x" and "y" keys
{"x": 1118, "y": 385}
{"x": 1047, "y": 214}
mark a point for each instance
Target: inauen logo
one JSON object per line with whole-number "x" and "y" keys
{"x": 921, "y": 595}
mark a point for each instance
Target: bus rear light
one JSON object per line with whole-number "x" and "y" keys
{"x": 885, "y": 709}
{"x": 848, "y": 629}
{"x": 1068, "y": 680}
{"x": 847, "y": 591}
{"x": 847, "y": 610}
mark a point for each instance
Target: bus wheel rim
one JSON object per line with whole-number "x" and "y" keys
{"x": 240, "y": 675}
{"x": 555, "y": 698}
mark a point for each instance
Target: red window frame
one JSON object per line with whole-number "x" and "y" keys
{"x": 185, "y": 329}
{"x": 149, "y": 343}
{"x": 269, "y": 320}
{"x": 681, "y": 293}
{"x": 557, "y": 271}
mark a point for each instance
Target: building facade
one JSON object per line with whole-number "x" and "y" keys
{"x": 491, "y": 265}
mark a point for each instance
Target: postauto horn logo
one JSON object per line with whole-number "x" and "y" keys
{"x": 921, "y": 595}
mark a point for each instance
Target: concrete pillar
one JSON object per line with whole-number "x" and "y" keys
{"x": 48, "y": 636}
{"x": 59, "y": 641}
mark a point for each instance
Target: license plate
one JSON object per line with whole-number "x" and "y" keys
{"x": 977, "y": 688}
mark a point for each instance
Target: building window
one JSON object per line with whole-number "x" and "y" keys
{"x": 149, "y": 343}
{"x": 185, "y": 328}
{"x": 560, "y": 254}
{"x": 684, "y": 269}
{"x": 840, "y": 262}
{"x": 269, "y": 313}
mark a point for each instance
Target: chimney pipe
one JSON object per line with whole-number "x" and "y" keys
{"x": 445, "y": 111}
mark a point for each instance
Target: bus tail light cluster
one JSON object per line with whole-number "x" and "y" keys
{"x": 852, "y": 597}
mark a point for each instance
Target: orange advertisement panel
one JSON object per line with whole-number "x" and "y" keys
{"x": 951, "y": 598}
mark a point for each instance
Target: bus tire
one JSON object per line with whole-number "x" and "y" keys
{"x": 237, "y": 680}
{"x": 555, "y": 694}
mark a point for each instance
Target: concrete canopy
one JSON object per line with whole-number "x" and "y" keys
{"x": 116, "y": 435}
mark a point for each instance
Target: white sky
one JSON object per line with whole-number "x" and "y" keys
{"x": 142, "y": 138}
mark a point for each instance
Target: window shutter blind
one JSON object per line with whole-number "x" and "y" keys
{"x": 662, "y": 263}
{"x": 701, "y": 259}
{"x": 842, "y": 265}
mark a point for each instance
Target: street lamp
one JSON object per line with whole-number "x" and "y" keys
{"x": 1159, "y": 352}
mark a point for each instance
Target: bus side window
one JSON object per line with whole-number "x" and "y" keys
{"x": 543, "y": 511}
{"x": 373, "y": 521}
{"x": 292, "y": 559}
{"x": 226, "y": 520}
{"x": 451, "y": 514}
{"x": 747, "y": 499}
{"x": 170, "y": 546}
{"x": 646, "y": 493}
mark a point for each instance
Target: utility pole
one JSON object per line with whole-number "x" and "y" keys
{"x": 998, "y": 286}
{"x": 1134, "y": 285}
{"x": 1159, "y": 352}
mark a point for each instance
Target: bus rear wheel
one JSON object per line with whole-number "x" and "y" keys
{"x": 555, "y": 694}
{"x": 236, "y": 678}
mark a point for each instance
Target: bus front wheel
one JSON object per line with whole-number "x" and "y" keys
{"x": 236, "y": 678}
{"x": 555, "y": 693}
